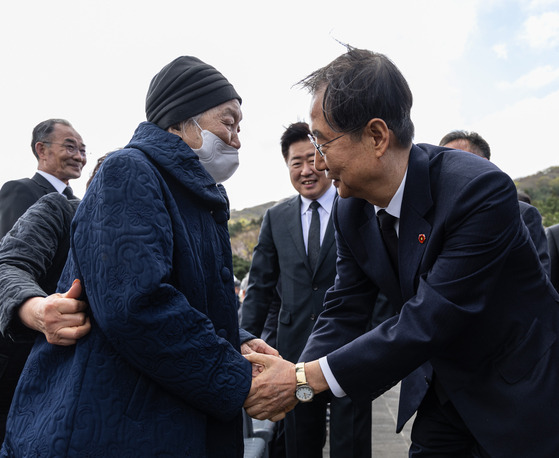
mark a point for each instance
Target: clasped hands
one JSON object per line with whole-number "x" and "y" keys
{"x": 272, "y": 393}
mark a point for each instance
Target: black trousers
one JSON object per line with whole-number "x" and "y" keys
{"x": 439, "y": 431}
{"x": 350, "y": 428}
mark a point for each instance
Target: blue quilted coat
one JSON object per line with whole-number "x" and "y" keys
{"x": 160, "y": 374}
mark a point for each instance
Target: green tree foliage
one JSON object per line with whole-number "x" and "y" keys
{"x": 543, "y": 189}
{"x": 244, "y": 228}
{"x": 240, "y": 266}
{"x": 236, "y": 227}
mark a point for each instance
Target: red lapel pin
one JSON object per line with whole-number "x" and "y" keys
{"x": 421, "y": 238}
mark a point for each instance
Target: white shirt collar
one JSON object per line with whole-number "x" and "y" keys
{"x": 58, "y": 184}
{"x": 326, "y": 200}
{"x": 395, "y": 206}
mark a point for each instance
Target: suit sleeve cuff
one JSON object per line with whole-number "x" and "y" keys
{"x": 330, "y": 379}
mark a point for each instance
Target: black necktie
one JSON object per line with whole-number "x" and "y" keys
{"x": 68, "y": 193}
{"x": 386, "y": 221}
{"x": 314, "y": 235}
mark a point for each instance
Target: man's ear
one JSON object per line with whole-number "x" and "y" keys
{"x": 379, "y": 135}
{"x": 40, "y": 148}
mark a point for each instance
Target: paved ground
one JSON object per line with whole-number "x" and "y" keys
{"x": 386, "y": 443}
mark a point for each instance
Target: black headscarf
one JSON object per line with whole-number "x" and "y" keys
{"x": 184, "y": 88}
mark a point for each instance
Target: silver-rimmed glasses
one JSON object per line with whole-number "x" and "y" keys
{"x": 318, "y": 146}
{"x": 71, "y": 148}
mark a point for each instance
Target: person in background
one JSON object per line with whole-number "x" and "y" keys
{"x": 524, "y": 197}
{"x": 60, "y": 154}
{"x": 474, "y": 143}
{"x": 243, "y": 288}
{"x": 284, "y": 251}
{"x": 237, "y": 284}
{"x": 438, "y": 231}
{"x": 161, "y": 372}
{"x": 467, "y": 141}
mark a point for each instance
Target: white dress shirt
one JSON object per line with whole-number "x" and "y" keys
{"x": 326, "y": 201}
{"x": 59, "y": 185}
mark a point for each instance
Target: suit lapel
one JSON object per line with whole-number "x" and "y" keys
{"x": 327, "y": 243}
{"x": 415, "y": 229}
{"x": 43, "y": 183}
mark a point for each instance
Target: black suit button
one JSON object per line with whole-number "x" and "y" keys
{"x": 315, "y": 287}
{"x": 313, "y": 317}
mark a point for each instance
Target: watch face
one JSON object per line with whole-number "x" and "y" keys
{"x": 304, "y": 393}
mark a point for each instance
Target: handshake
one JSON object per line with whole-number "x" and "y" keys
{"x": 274, "y": 382}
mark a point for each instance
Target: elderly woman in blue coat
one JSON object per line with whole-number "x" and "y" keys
{"x": 161, "y": 372}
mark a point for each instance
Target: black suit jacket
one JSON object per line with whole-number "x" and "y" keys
{"x": 280, "y": 256}
{"x": 17, "y": 196}
{"x": 475, "y": 305}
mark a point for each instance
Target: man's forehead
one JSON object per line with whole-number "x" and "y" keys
{"x": 301, "y": 149}
{"x": 68, "y": 133}
{"x": 63, "y": 129}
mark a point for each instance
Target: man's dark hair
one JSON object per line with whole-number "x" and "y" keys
{"x": 477, "y": 142}
{"x": 296, "y": 132}
{"x": 42, "y": 131}
{"x": 361, "y": 85}
{"x": 524, "y": 197}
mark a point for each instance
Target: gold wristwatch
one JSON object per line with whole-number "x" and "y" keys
{"x": 303, "y": 391}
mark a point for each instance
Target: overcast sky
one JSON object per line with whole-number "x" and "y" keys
{"x": 489, "y": 66}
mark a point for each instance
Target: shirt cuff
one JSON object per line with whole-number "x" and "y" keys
{"x": 330, "y": 379}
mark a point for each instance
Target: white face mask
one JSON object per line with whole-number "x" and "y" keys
{"x": 218, "y": 158}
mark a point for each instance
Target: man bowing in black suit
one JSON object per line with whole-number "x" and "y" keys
{"x": 440, "y": 233}
{"x": 60, "y": 154}
{"x": 296, "y": 244}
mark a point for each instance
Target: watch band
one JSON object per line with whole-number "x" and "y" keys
{"x": 303, "y": 391}
{"x": 300, "y": 374}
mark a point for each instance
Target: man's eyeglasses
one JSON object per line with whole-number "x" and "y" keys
{"x": 70, "y": 148}
{"x": 318, "y": 147}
